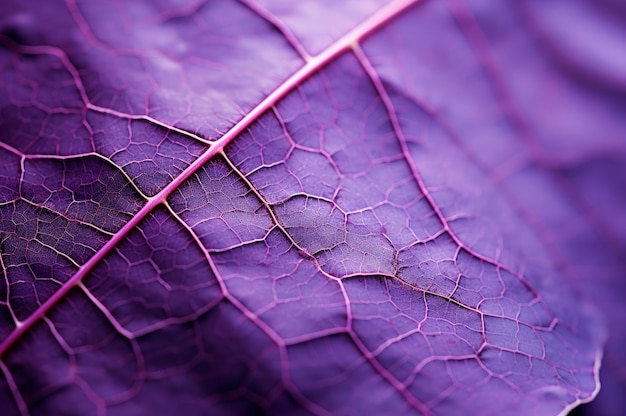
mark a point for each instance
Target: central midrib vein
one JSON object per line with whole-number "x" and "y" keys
{"x": 312, "y": 66}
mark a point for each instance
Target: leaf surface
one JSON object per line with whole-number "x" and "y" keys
{"x": 302, "y": 208}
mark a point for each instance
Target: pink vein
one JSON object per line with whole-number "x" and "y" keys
{"x": 314, "y": 64}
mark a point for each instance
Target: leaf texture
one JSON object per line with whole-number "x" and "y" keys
{"x": 240, "y": 207}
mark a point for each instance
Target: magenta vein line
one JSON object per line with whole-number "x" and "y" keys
{"x": 314, "y": 64}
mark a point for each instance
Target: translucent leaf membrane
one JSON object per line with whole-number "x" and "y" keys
{"x": 177, "y": 63}
{"x": 426, "y": 218}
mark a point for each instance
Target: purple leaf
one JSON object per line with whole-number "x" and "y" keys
{"x": 238, "y": 207}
